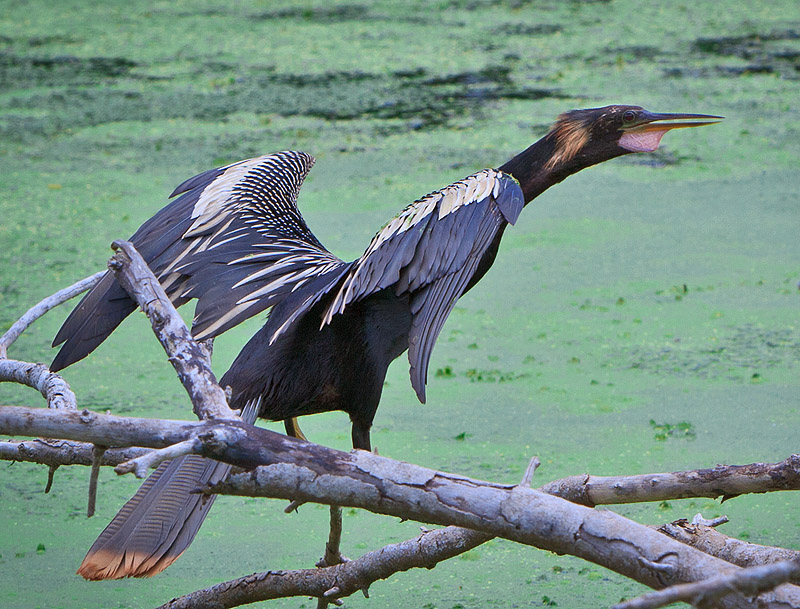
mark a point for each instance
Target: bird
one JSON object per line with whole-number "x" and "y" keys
{"x": 235, "y": 241}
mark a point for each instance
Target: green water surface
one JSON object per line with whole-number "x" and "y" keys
{"x": 641, "y": 317}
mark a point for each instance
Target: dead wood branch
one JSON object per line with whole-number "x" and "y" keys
{"x": 711, "y": 592}
{"x": 735, "y": 551}
{"x": 93, "y": 427}
{"x": 726, "y": 481}
{"x": 292, "y": 469}
{"x": 53, "y": 388}
{"x": 299, "y": 470}
{"x": 381, "y": 485}
{"x": 190, "y": 360}
{"x": 110, "y": 430}
{"x": 63, "y": 452}
{"x": 304, "y": 471}
{"x": 36, "y": 311}
{"x": 424, "y": 551}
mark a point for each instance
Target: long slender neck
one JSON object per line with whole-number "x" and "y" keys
{"x": 548, "y": 162}
{"x": 530, "y": 168}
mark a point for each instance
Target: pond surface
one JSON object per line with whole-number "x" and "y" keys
{"x": 641, "y": 317}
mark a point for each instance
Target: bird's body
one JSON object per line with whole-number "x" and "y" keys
{"x": 309, "y": 369}
{"x": 236, "y": 241}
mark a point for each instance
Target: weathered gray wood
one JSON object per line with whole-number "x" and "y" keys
{"x": 424, "y": 551}
{"x": 711, "y": 592}
{"x": 289, "y": 468}
{"x": 190, "y": 359}
{"x": 63, "y": 452}
{"x": 39, "y": 309}
{"x": 53, "y": 388}
{"x": 724, "y": 481}
{"x": 730, "y": 549}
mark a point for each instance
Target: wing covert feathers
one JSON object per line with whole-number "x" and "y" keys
{"x": 430, "y": 251}
{"x": 234, "y": 239}
{"x": 435, "y": 222}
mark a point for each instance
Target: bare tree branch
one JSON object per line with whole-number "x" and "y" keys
{"x": 190, "y": 360}
{"x": 111, "y": 430}
{"x": 292, "y": 469}
{"x": 63, "y": 452}
{"x": 333, "y": 556}
{"x": 36, "y": 311}
{"x": 735, "y": 551}
{"x": 53, "y": 388}
{"x": 727, "y": 481}
{"x": 94, "y": 427}
{"x": 709, "y": 593}
{"x": 298, "y": 469}
{"x": 423, "y": 551}
{"x": 517, "y": 513}
{"x": 97, "y": 457}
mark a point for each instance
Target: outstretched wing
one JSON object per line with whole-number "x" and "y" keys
{"x": 430, "y": 251}
{"x": 234, "y": 240}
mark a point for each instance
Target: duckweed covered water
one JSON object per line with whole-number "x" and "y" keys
{"x": 641, "y": 316}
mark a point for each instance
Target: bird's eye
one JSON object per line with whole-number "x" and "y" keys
{"x": 628, "y": 116}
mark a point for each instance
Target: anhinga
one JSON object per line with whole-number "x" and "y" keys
{"x": 236, "y": 242}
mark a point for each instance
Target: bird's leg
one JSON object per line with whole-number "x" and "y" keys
{"x": 333, "y": 555}
{"x": 293, "y": 428}
{"x": 360, "y": 435}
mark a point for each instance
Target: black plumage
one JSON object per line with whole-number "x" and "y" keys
{"x": 236, "y": 242}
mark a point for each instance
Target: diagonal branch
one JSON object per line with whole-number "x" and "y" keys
{"x": 708, "y": 593}
{"x": 425, "y": 551}
{"x": 190, "y": 359}
{"x": 741, "y": 553}
{"x": 36, "y": 311}
{"x": 53, "y": 388}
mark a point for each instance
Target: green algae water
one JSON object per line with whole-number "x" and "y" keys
{"x": 642, "y": 316}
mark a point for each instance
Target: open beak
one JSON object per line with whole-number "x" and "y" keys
{"x": 646, "y": 134}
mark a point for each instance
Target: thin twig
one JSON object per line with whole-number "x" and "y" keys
{"x": 533, "y": 465}
{"x": 154, "y": 458}
{"x": 714, "y": 522}
{"x": 333, "y": 555}
{"x": 51, "y": 472}
{"x": 36, "y": 311}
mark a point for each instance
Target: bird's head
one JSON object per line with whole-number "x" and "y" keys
{"x": 593, "y": 135}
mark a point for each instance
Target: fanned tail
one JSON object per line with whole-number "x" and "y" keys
{"x": 160, "y": 521}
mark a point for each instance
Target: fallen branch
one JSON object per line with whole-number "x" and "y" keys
{"x": 380, "y": 485}
{"x": 709, "y": 593}
{"x": 424, "y": 551}
{"x": 190, "y": 359}
{"x": 94, "y": 427}
{"x": 729, "y": 549}
{"x": 112, "y": 430}
{"x": 727, "y": 481}
{"x": 63, "y": 452}
{"x": 299, "y": 470}
{"x": 53, "y": 388}
{"x": 36, "y": 311}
